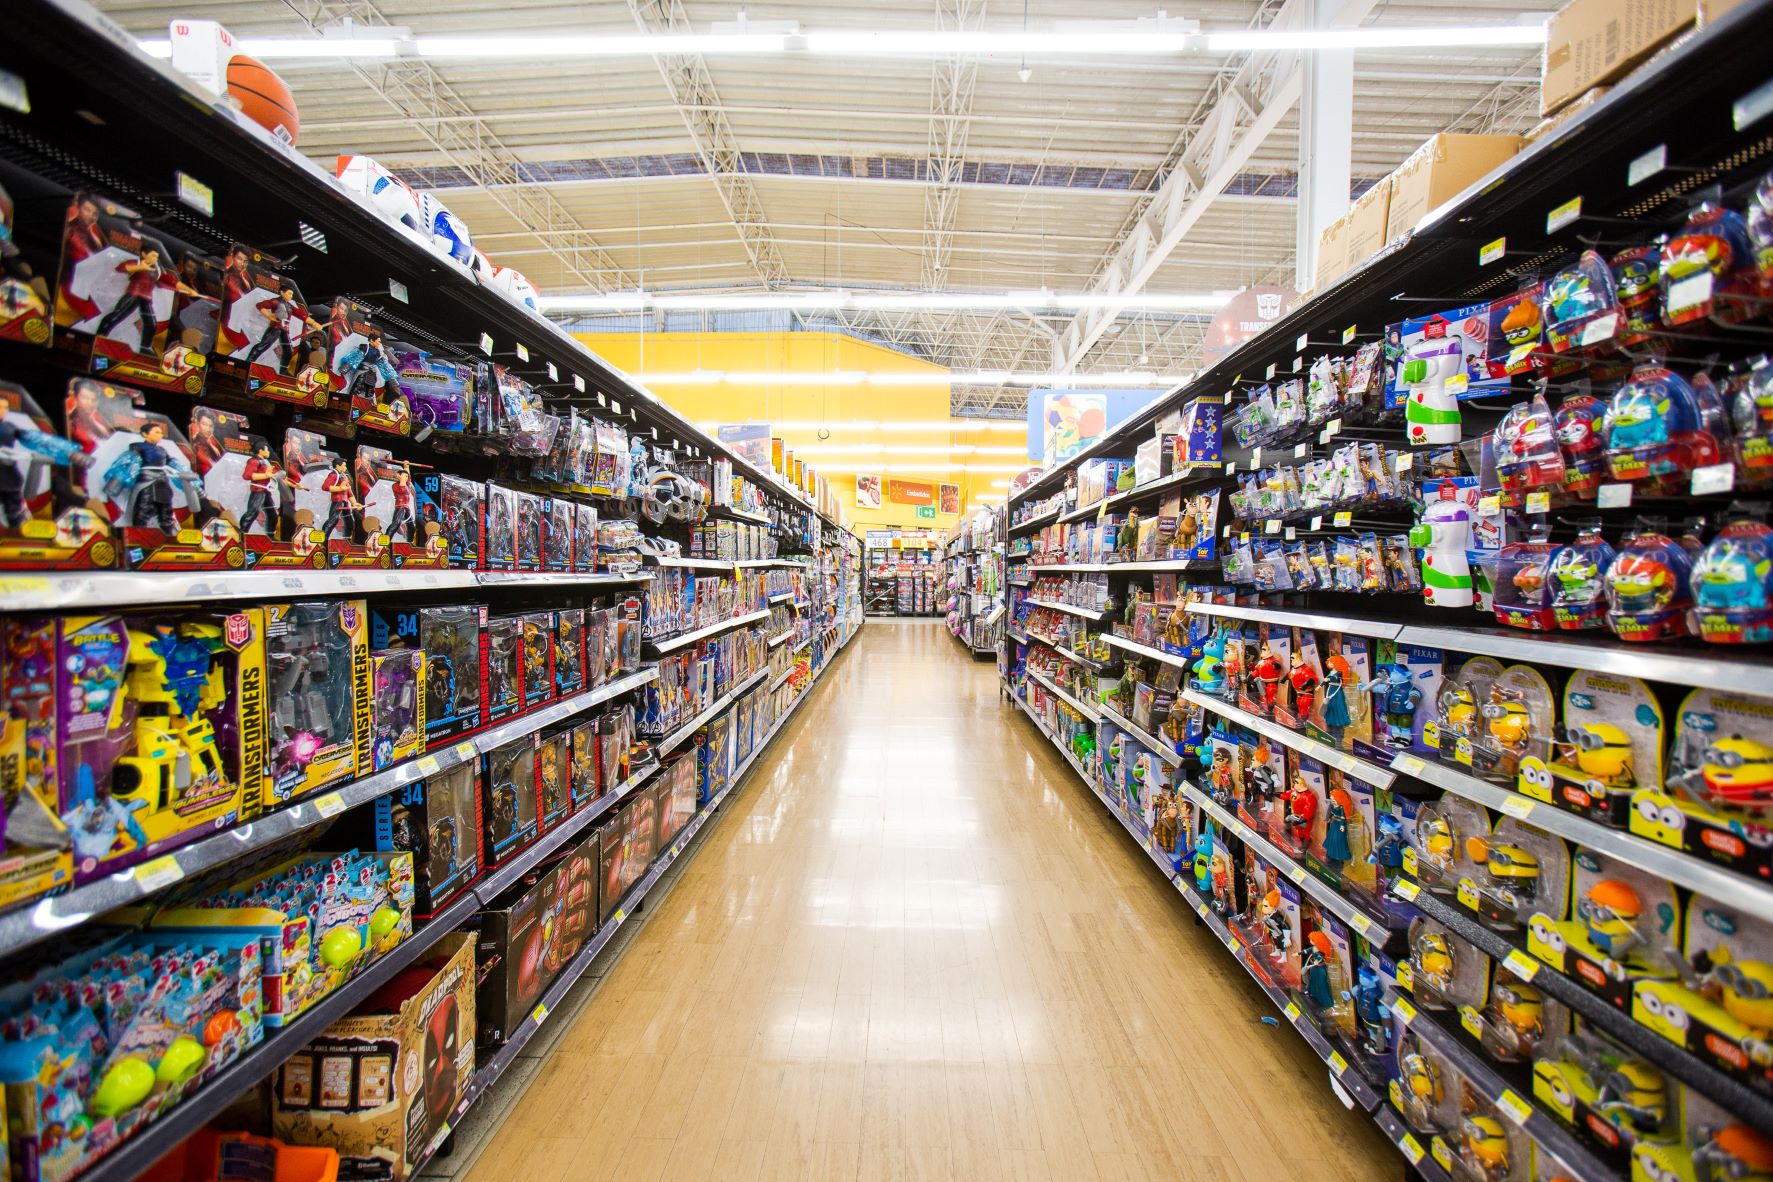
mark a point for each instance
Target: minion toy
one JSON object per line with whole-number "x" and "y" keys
{"x": 1434, "y": 843}
{"x": 1420, "y": 1091}
{"x": 1659, "y": 817}
{"x": 1609, "y": 912}
{"x": 1603, "y": 754}
{"x": 1515, "y": 1021}
{"x": 1433, "y": 958}
{"x": 1745, "y": 990}
{"x": 1484, "y": 1147}
{"x": 1736, "y": 773}
{"x": 1512, "y": 878}
{"x": 1636, "y": 1094}
{"x": 1733, "y": 1153}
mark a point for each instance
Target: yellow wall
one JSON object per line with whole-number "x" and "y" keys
{"x": 825, "y": 402}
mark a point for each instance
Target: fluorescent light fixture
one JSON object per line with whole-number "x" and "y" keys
{"x": 1017, "y": 425}
{"x": 1101, "y": 39}
{"x": 883, "y": 301}
{"x": 1121, "y": 379}
{"x": 888, "y": 449}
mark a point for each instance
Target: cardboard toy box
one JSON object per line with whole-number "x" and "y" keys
{"x": 516, "y": 952}
{"x": 1368, "y": 219}
{"x": 380, "y": 1085}
{"x": 438, "y": 821}
{"x": 1594, "y": 41}
{"x": 1437, "y": 172}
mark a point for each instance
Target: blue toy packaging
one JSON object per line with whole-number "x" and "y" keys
{"x": 437, "y": 820}
{"x": 509, "y": 814}
{"x": 1471, "y": 326}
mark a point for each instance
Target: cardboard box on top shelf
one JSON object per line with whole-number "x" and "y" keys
{"x": 1439, "y": 171}
{"x": 1332, "y": 252}
{"x": 1367, "y": 221}
{"x": 1566, "y": 113}
{"x": 1590, "y": 42}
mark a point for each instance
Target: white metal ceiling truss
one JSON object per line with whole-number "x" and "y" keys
{"x": 418, "y": 92}
{"x": 951, "y": 105}
{"x": 692, "y": 89}
{"x": 1240, "y": 111}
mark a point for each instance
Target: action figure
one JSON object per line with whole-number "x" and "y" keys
{"x": 402, "y": 519}
{"x": 259, "y": 473}
{"x": 1314, "y": 971}
{"x": 1301, "y": 805}
{"x": 1267, "y": 675}
{"x": 1304, "y": 680}
{"x": 22, "y": 448}
{"x": 1368, "y": 996}
{"x": 1336, "y": 822}
{"x": 1336, "y": 716}
{"x": 283, "y": 327}
{"x": 144, "y": 276}
{"x": 149, "y": 473}
{"x": 1221, "y": 777}
{"x": 1389, "y": 844}
{"x": 368, "y": 363}
{"x": 553, "y": 789}
{"x": 345, "y": 505}
{"x": 1401, "y": 700}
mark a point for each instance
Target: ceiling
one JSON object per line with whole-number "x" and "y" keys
{"x": 740, "y": 174}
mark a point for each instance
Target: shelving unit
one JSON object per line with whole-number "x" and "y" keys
{"x": 973, "y": 556}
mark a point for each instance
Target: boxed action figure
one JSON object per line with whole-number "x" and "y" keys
{"x": 318, "y": 678}
{"x": 438, "y": 821}
{"x": 499, "y": 528}
{"x": 553, "y": 779}
{"x": 569, "y": 651}
{"x": 363, "y": 370}
{"x": 460, "y": 505}
{"x": 397, "y": 706}
{"x": 557, "y": 534}
{"x": 397, "y": 514}
{"x": 139, "y": 468}
{"x": 501, "y": 651}
{"x": 248, "y": 494}
{"x": 268, "y": 344}
{"x": 529, "y": 531}
{"x": 37, "y": 856}
{"x": 47, "y": 520}
{"x": 510, "y": 810}
{"x": 450, "y": 637}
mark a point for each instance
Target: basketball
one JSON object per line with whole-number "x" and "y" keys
{"x": 264, "y": 97}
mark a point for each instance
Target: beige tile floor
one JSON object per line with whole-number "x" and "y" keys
{"x": 918, "y": 948}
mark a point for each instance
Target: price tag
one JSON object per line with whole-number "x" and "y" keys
{"x": 1317, "y": 522}
{"x": 196, "y": 194}
{"x": 1255, "y": 458}
{"x": 1563, "y": 215}
{"x": 553, "y": 373}
{"x": 1520, "y": 964}
{"x": 428, "y": 765}
{"x": 1714, "y": 478}
{"x": 1299, "y": 452}
{"x": 397, "y": 289}
{"x": 1333, "y": 428}
{"x": 330, "y": 805}
{"x": 1601, "y": 328}
{"x": 13, "y": 94}
{"x": 1612, "y": 496}
{"x": 162, "y": 871}
{"x": 1410, "y": 765}
{"x": 1337, "y": 1063}
{"x": 1411, "y": 1148}
{"x": 1685, "y": 294}
{"x": 522, "y": 352}
{"x": 1231, "y": 942}
{"x": 1343, "y": 519}
{"x": 1402, "y": 462}
{"x": 1299, "y": 363}
{"x": 1489, "y": 252}
{"x": 1348, "y": 335}
{"x": 1230, "y": 467}
{"x": 1292, "y": 534}
{"x": 1365, "y": 926}
{"x": 24, "y": 585}
{"x": 1457, "y": 384}
{"x": 1271, "y": 526}
{"x": 486, "y": 343}
{"x": 1404, "y": 1009}
{"x": 620, "y": 915}
{"x": 1515, "y": 1105}
{"x": 1404, "y": 889}
{"x": 1292, "y": 1012}
{"x": 1539, "y": 502}
{"x": 1518, "y": 807}
{"x": 1753, "y": 106}
{"x": 1304, "y": 340}
{"x": 1244, "y": 537}
{"x": 1489, "y": 506}
{"x": 465, "y": 749}
{"x": 1271, "y": 370}
{"x": 1442, "y": 1154}
{"x": 1646, "y": 166}
{"x": 540, "y": 1013}
{"x": 578, "y": 383}
{"x": 1296, "y": 872}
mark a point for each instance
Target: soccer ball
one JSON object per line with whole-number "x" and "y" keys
{"x": 449, "y": 233}
{"x": 482, "y": 266}
{"x": 513, "y": 283}
{"x": 392, "y": 197}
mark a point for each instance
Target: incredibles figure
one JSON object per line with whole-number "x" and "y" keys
{"x": 1304, "y": 680}
{"x": 1301, "y": 810}
{"x": 1222, "y": 779}
{"x": 1267, "y": 673}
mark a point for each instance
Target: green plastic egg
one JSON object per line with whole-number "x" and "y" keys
{"x": 383, "y": 922}
{"x": 125, "y": 1085}
{"x": 183, "y": 1059}
{"x": 340, "y": 946}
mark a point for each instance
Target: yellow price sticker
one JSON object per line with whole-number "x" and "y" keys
{"x": 1365, "y": 926}
{"x": 1404, "y": 1010}
{"x": 1296, "y": 872}
{"x": 1517, "y": 806}
{"x": 23, "y": 585}
{"x": 465, "y": 749}
{"x": 1337, "y": 1063}
{"x": 1442, "y": 1154}
{"x": 1292, "y": 1011}
{"x": 1489, "y": 506}
{"x": 620, "y": 915}
{"x": 1515, "y": 1105}
{"x": 1404, "y": 889}
{"x": 1342, "y": 520}
{"x": 1520, "y": 964}
{"x": 1411, "y": 1148}
{"x": 1410, "y": 765}
{"x": 1457, "y": 384}
{"x": 540, "y": 1013}
{"x": 1539, "y": 502}
{"x": 162, "y": 871}
{"x": 428, "y": 765}
{"x": 330, "y": 805}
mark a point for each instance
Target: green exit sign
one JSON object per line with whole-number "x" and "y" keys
{"x": 926, "y": 510}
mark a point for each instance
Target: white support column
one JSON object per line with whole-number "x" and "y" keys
{"x": 1326, "y": 138}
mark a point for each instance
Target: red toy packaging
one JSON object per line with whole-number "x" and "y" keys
{"x": 584, "y": 537}
{"x": 46, "y": 521}
{"x": 24, "y": 297}
{"x": 325, "y": 495}
{"x": 268, "y": 344}
{"x": 402, "y": 522}
{"x": 244, "y": 489}
{"x": 557, "y": 534}
{"x": 126, "y": 307}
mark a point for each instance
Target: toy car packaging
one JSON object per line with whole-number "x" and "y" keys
{"x": 1625, "y": 919}
{"x": 460, "y": 505}
{"x": 127, "y": 306}
{"x": 1708, "y": 269}
{"x": 1720, "y": 784}
{"x": 24, "y": 297}
{"x": 158, "y": 730}
{"x": 1610, "y": 745}
{"x": 139, "y": 468}
{"x": 439, "y": 391}
{"x": 322, "y": 496}
{"x": 438, "y": 821}
{"x": 1656, "y": 429}
{"x": 247, "y": 493}
{"x": 396, "y": 706}
{"x": 1612, "y": 1097}
{"x": 509, "y": 813}
{"x": 317, "y": 673}
{"x": 399, "y": 517}
{"x": 36, "y": 857}
{"x": 1731, "y": 582}
{"x": 47, "y": 521}
{"x": 381, "y": 1085}
{"x": 268, "y": 344}
{"x": 1718, "y": 1008}
{"x": 362, "y": 366}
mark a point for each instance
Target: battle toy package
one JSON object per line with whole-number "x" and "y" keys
{"x": 569, "y": 651}
{"x": 268, "y": 344}
{"x": 323, "y": 496}
{"x": 557, "y": 534}
{"x": 138, "y": 467}
{"x": 47, "y": 521}
{"x": 460, "y": 504}
{"x": 499, "y": 529}
{"x": 317, "y": 673}
{"x": 529, "y": 531}
{"x": 509, "y": 781}
{"x": 132, "y": 305}
{"x": 553, "y": 779}
{"x": 24, "y": 296}
{"x": 501, "y": 649}
{"x": 397, "y": 514}
{"x": 538, "y": 659}
{"x": 248, "y": 495}
{"x": 363, "y": 370}
{"x": 397, "y": 706}
{"x": 437, "y": 820}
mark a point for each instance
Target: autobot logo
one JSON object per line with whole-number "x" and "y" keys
{"x": 1268, "y": 304}
{"x": 239, "y": 629}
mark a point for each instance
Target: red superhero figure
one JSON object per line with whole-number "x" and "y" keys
{"x": 1301, "y": 809}
{"x": 260, "y": 473}
{"x": 344, "y": 509}
{"x": 1268, "y": 674}
{"x": 1304, "y": 680}
{"x": 402, "y": 519}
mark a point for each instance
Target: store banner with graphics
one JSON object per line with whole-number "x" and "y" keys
{"x": 1249, "y": 312}
{"x": 867, "y": 490}
{"x": 749, "y": 441}
{"x": 950, "y": 497}
{"x": 911, "y": 492}
{"x": 1067, "y": 420}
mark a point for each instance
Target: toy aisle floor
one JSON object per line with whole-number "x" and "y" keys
{"x": 918, "y": 947}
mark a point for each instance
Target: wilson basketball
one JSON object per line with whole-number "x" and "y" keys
{"x": 264, "y": 97}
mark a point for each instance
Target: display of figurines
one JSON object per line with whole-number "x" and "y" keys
{"x": 1305, "y": 682}
{"x": 1301, "y": 812}
{"x": 1267, "y": 674}
{"x": 1401, "y": 697}
{"x": 1315, "y": 961}
{"x": 1339, "y": 819}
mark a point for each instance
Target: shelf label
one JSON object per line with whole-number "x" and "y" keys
{"x": 522, "y": 352}
{"x": 1457, "y": 384}
{"x": 1612, "y": 496}
{"x": 23, "y": 585}
{"x": 1299, "y": 452}
{"x": 553, "y": 373}
{"x": 1255, "y": 458}
{"x": 1646, "y": 166}
{"x": 1317, "y": 522}
{"x": 1348, "y": 335}
{"x": 1538, "y": 502}
{"x": 1405, "y": 1011}
{"x": 1410, "y": 765}
{"x": 486, "y": 344}
{"x": 1411, "y": 1148}
{"x": 540, "y": 1013}
{"x": 1563, "y": 215}
{"x": 1402, "y": 462}
{"x": 1304, "y": 340}
{"x": 1489, "y": 252}
{"x": 1337, "y": 1063}
{"x": 578, "y": 383}
{"x": 1296, "y": 872}
{"x": 1271, "y": 526}
{"x": 1714, "y": 478}
{"x": 1271, "y": 370}
{"x": 1343, "y": 519}
{"x": 1518, "y": 807}
{"x": 1292, "y": 534}
{"x": 162, "y": 871}
{"x": 1230, "y": 467}
{"x": 465, "y": 749}
{"x": 1292, "y": 1011}
{"x": 196, "y": 194}
{"x": 1520, "y": 964}
{"x": 13, "y": 94}
{"x": 1403, "y": 888}
{"x": 1511, "y": 1102}
{"x": 330, "y": 805}
{"x": 1365, "y": 926}
{"x": 1489, "y": 506}
{"x": 398, "y": 290}
{"x": 1753, "y": 106}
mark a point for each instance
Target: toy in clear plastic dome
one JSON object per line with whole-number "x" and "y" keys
{"x": 1516, "y": 872}
{"x": 1655, "y": 427}
{"x": 1457, "y": 720}
{"x": 1610, "y": 745}
{"x": 1705, "y": 1143}
{"x": 1486, "y": 1149}
{"x": 1648, "y": 588}
{"x": 1443, "y": 535}
{"x": 1750, "y": 398}
{"x": 1420, "y": 1091}
{"x": 1577, "y": 573}
{"x": 1731, "y": 582}
{"x": 1517, "y": 721}
{"x": 1514, "y": 1022}
{"x": 1524, "y": 589}
{"x": 1637, "y": 283}
{"x": 1579, "y": 426}
{"x": 1708, "y": 269}
{"x": 1435, "y": 958}
{"x": 1527, "y": 453}
{"x": 1581, "y": 305}
{"x": 1425, "y": 372}
{"x": 1613, "y": 1096}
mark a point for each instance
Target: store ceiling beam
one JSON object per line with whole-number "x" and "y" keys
{"x": 952, "y": 80}
{"x": 1250, "y": 104}
{"x": 1326, "y": 145}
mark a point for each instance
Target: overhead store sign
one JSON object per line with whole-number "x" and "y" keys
{"x": 911, "y": 492}
{"x": 868, "y": 491}
{"x": 926, "y": 510}
{"x": 1249, "y": 312}
{"x": 749, "y": 441}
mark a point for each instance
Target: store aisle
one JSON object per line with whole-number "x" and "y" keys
{"x": 920, "y": 948}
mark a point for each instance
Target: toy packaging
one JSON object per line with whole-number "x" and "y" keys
{"x": 538, "y": 658}
{"x": 460, "y": 506}
{"x": 1610, "y": 1096}
{"x": 126, "y": 305}
{"x": 1513, "y": 874}
{"x": 1703, "y": 1141}
{"x": 438, "y": 821}
{"x": 159, "y": 729}
{"x": 247, "y": 495}
{"x": 584, "y": 537}
{"x": 501, "y": 652}
{"x": 553, "y": 779}
{"x": 139, "y": 468}
{"x": 439, "y": 391}
{"x": 557, "y": 534}
{"x": 1730, "y": 582}
{"x": 1425, "y": 1091}
{"x": 24, "y": 303}
{"x": 318, "y": 677}
{"x": 1610, "y": 745}
{"x": 381, "y": 1085}
{"x": 37, "y": 856}
{"x": 499, "y": 529}
{"x": 396, "y": 706}
{"x": 324, "y": 496}
{"x": 1625, "y": 921}
{"x": 516, "y": 954}
{"x": 47, "y": 521}
{"x": 1718, "y": 1008}
{"x": 529, "y": 531}
{"x": 509, "y": 814}
{"x": 449, "y": 637}
{"x": 569, "y": 651}
{"x": 1720, "y": 784}
{"x": 399, "y": 517}
{"x": 1443, "y": 972}
{"x": 362, "y": 367}
{"x": 268, "y": 345}
{"x": 585, "y": 781}
{"x": 1442, "y": 840}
